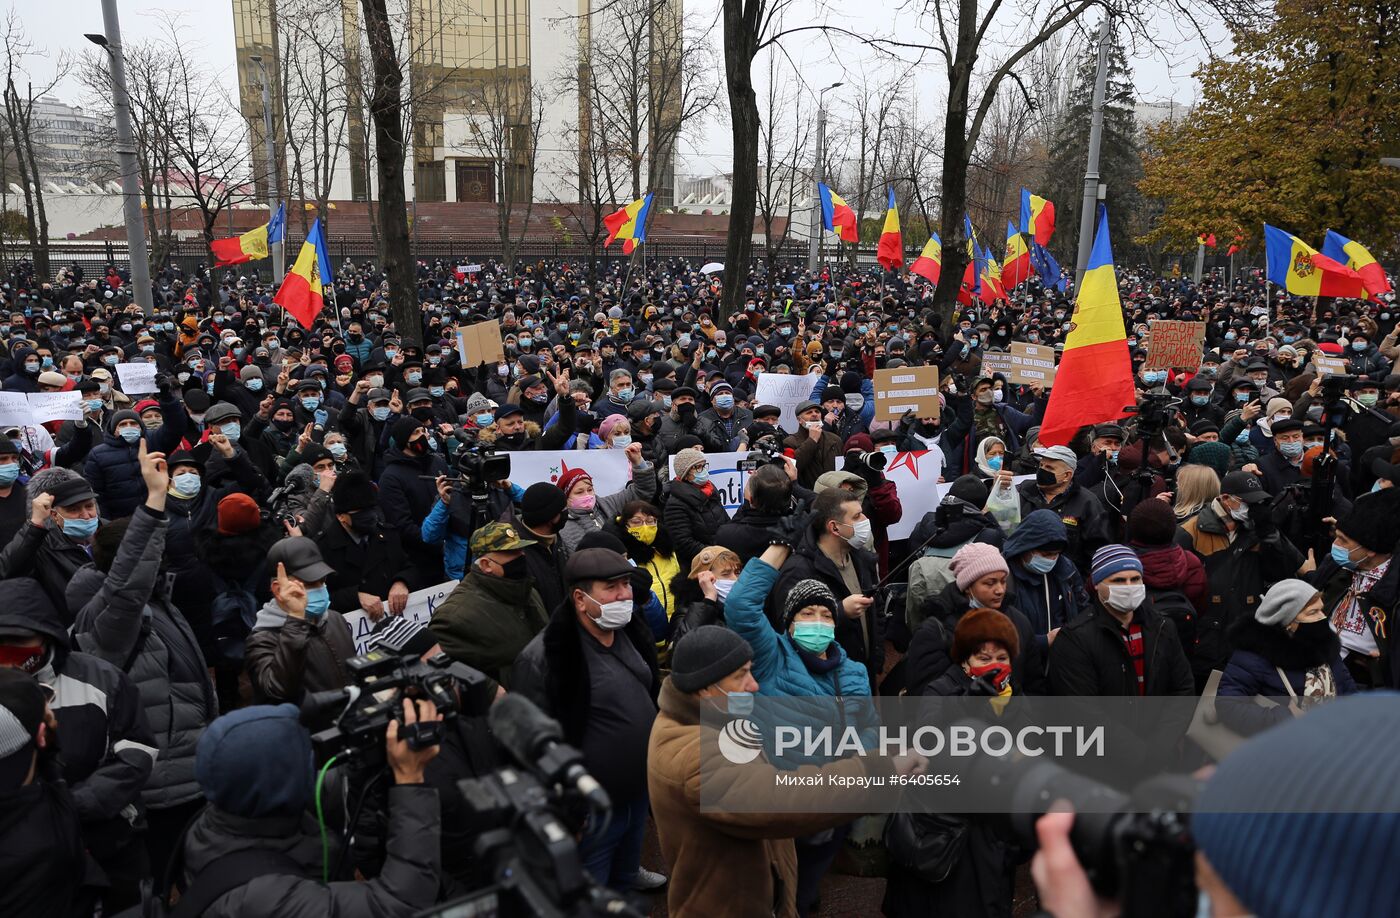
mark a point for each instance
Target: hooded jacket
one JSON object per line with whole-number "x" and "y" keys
{"x": 112, "y": 466}
{"x": 126, "y": 618}
{"x": 289, "y": 657}
{"x": 20, "y": 381}
{"x": 1050, "y": 600}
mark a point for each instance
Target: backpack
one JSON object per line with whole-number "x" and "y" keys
{"x": 232, "y": 615}
{"x": 1174, "y": 605}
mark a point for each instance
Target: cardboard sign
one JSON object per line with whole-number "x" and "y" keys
{"x": 137, "y": 378}
{"x": 1174, "y": 344}
{"x": 1330, "y": 366}
{"x": 480, "y": 343}
{"x": 1032, "y": 364}
{"x": 994, "y": 362}
{"x": 784, "y": 391}
{"x": 906, "y": 389}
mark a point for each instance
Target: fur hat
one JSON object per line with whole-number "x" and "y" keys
{"x": 977, "y": 627}
{"x": 1372, "y": 520}
{"x": 353, "y": 491}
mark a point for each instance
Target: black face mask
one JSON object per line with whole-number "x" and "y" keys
{"x": 1316, "y": 634}
{"x": 1045, "y": 478}
{"x": 515, "y": 569}
{"x": 685, "y": 411}
{"x": 422, "y": 414}
{"x": 364, "y": 522}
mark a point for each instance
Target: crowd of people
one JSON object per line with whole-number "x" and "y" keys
{"x": 180, "y": 567}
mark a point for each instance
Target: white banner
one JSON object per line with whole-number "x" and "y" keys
{"x": 420, "y": 608}
{"x": 608, "y": 468}
{"x": 725, "y": 476}
{"x": 786, "y": 391}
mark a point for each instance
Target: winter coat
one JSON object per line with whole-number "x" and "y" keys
{"x": 552, "y": 670}
{"x": 693, "y": 519}
{"x": 862, "y": 638}
{"x": 108, "y": 748}
{"x": 1090, "y": 658}
{"x": 1088, "y": 523}
{"x": 405, "y": 499}
{"x": 813, "y": 457}
{"x": 931, "y": 648}
{"x": 606, "y": 507}
{"x": 1171, "y": 567}
{"x": 545, "y": 560}
{"x": 777, "y": 664}
{"x": 671, "y": 430}
{"x": 41, "y": 851}
{"x": 372, "y": 565}
{"x": 942, "y": 532}
{"x": 1050, "y": 600}
{"x": 710, "y": 429}
{"x": 725, "y": 862}
{"x": 45, "y": 553}
{"x": 407, "y": 884}
{"x": 287, "y": 657}
{"x": 112, "y": 466}
{"x": 486, "y": 621}
{"x": 126, "y": 618}
{"x": 1260, "y": 652}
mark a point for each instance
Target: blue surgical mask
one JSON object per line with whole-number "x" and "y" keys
{"x": 1290, "y": 450}
{"x": 1358, "y": 346}
{"x": 701, "y": 476}
{"x": 484, "y": 420}
{"x": 1154, "y": 376}
{"x": 625, "y": 395}
{"x": 129, "y": 434}
{"x": 1041, "y": 564}
{"x": 254, "y": 384}
{"x": 47, "y": 362}
{"x": 379, "y": 414}
{"x": 994, "y": 463}
{"x": 525, "y": 342}
{"x": 232, "y": 431}
{"x": 725, "y": 401}
{"x": 1342, "y": 557}
{"x": 666, "y": 400}
{"x": 83, "y": 529}
{"x": 148, "y": 348}
{"x": 740, "y": 703}
{"x": 1243, "y": 437}
{"x": 93, "y": 404}
{"x": 1376, "y": 487}
{"x": 187, "y": 484}
{"x": 110, "y": 360}
{"x": 414, "y": 377}
{"x": 318, "y": 601}
{"x": 1241, "y": 397}
{"x": 1200, "y": 399}
{"x": 622, "y": 441}
{"x": 390, "y": 353}
{"x": 890, "y": 450}
{"x": 311, "y": 402}
{"x": 436, "y": 391}
{"x": 337, "y": 450}
{"x": 9, "y": 472}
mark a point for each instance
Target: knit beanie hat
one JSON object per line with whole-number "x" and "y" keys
{"x": 1113, "y": 559}
{"x": 977, "y": 627}
{"x": 238, "y": 513}
{"x": 1276, "y": 405}
{"x": 975, "y": 561}
{"x": 808, "y": 593}
{"x": 403, "y": 429}
{"x": 542, "y": 502}
{"x": 706, "y": 655}
{"x": 1214, "y": 454}
{"x": 478, "y": 404}
{"x": 686, "y": 460}
{"x": 1152, "y": 522}
{"x": 572, "y": 477}
{"x": 971, "y": 489}
{"x": 249, "y": 372}
{"x": 1294, "y": 788}
{"x": 256, "y": 762}
{"x": 1282, "y": 603}
{"x": 1372, "y": 520}
{"x": 605, "y": 429}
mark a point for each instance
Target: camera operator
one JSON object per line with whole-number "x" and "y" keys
{"x": 769, "y": 493}
{"x": 255, "y": 768}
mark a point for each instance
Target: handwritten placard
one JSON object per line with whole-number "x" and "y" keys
{"x": 1032, "y": 364}
{"x": 784, "y": 391}
{"x": 906, "y": 389}
{"x": 1175, "y": 344}
{"x": 137, "y": 378}
{"x": 55, "y": 406}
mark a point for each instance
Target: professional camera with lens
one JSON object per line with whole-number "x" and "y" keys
{"x": 380, "y": 681}
{"x": 766, "y": 450}
{"x": 480, "y": 466}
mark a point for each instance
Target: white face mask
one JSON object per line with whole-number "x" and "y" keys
{"x": 612, "y": 615}
{"x": 1240, "y": 513}
{"x": 722, "y": 588}
{"x": 861, "y": 536}
{"x": 1125, "y": 597}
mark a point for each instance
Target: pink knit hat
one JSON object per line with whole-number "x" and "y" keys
{"x": 975, "y": 561}
{"x": 611, "y": 421}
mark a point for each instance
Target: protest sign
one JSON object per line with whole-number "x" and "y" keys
{"x": 420, "y": 607}
{"x": 994, "y": 362}
{"x": 480, "y": 343}
{"x": 906, "y": 389}
{"x": 786, "y": 391}
{"x": 137, "y": 378}
{"x": 14, "y": 410}
{"x": 608, "y": 468}
{"x": 1032, "y": 364}
{"x": 1330, "y": 366}
{"x": 55, "y": 406}
{"x": 1174, "y": 344}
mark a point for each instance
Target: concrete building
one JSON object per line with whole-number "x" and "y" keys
{"x": 60, "y": 134}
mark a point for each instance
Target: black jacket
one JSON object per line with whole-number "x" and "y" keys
{"x": 41, "y": 851}
{"x": 863, "y": 638}
{"x": 369, "y": 566}
{"x": 1087, "y": 521}
{"x": 930, "y": 649}
{"x": 405, "y": 498}
{"x": 45, "y": 553}
{"x": 546, "y": 563}
{"x": 693, "y": 518}
{"x": 1089, "y": 656}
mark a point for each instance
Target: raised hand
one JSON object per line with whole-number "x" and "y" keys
{"x": 291, "y": 593}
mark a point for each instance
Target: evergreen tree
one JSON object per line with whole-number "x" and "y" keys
{"x": 1120, "y": 158}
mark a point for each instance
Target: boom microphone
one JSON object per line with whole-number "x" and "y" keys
{"x": 536, "y": 741}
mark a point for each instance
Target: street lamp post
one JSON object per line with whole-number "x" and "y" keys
{"x": 111, "y": 41}
{"x": 274, "y": 184}
{"x": 814, "y": 221}
{"x": 1087, "y": 215}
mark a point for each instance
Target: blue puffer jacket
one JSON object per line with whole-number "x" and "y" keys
{"x": 776, "y": 663}
{"x": 1048, "y": 600}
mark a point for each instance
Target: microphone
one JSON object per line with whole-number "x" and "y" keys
{"x": 536, "y": 741}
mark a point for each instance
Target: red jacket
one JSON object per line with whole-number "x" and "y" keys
{"x": 1174, "y": 568}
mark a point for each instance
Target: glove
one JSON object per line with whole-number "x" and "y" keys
{"x": 162, "y": 384}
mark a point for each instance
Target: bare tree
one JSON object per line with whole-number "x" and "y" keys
{"x": 785, "y": 134}
{"x": 20, "y": 94}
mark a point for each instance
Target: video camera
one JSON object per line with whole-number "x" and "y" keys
{"x": 527, "y": 841}
{"x": 379, "y": 683}
{"x": 481, "y": 465}
{"x": 767, "y": 450}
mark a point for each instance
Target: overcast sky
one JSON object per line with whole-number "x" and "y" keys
{"x": 55, "y": 25}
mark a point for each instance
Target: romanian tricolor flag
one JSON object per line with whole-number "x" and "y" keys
{"x": 1354, "y": 255}
{"x": 629, "y": 224}
{"x": 992, "y": 287}
{"x": 252, "y": 244}
{"x": 929, "y": 264}
{"x": 1235, "y": 245}
{"x": 302, "y": 290}
{"x": 1037, "y": 217}
{"x": 1016, "y": 270}
{"x": 890, "y": 251}
{"x": 1299, "y": 268}
{"x": 837, "y": 216}
{"x": 1206, "y": 239}
{"x": 1094, "y": 381}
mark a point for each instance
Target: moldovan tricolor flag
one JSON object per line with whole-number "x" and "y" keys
{"x": 1016, "y": 270}
{"x": 1037, "y": 217}
{"x": 302, "y": 290}
{"x": 837, "y": 216}
{"x": 929, "y": 264}
{"x": 1094, "y": 381}
{"x": 629, "y": 224}
{"x": 252, "y": 244}
{"x": 1299, "y": 268}
{"x": 1354, "y": 255}
{"x": 890, "y": 251}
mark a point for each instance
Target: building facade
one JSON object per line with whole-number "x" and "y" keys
{"x": 62, "y": 140}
